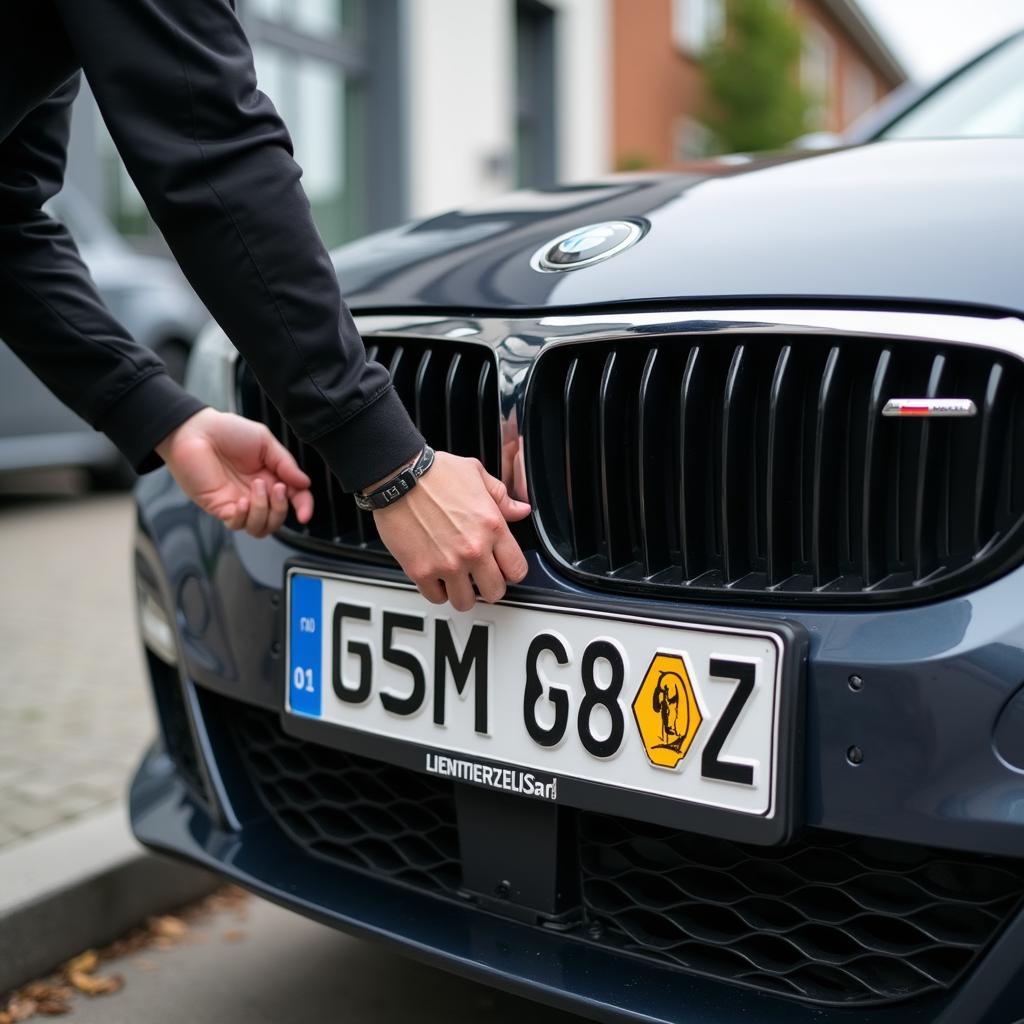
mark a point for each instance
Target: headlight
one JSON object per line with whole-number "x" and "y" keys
{"x": 210, "y": 374}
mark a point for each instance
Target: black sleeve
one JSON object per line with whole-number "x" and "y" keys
{"x": 175, "y": 84}
{"x": 50, "y": 312}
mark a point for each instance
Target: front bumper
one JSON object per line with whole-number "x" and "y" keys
{"x": 936, "y": 680}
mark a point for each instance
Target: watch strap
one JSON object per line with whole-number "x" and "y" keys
{"x": 398, "y": 486}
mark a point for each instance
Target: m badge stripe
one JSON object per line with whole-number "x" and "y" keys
{"x": 934, "y": 407}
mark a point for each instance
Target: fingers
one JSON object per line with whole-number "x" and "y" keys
{"x": 282, "y": 464}
{"x": 511, "y": 509}
{"x": 295, "y": 483}
{"x": 259, "y": 509}
{"x": 433, "y": 591}
{"x": 278, "y": 507}
{"x": 489, "y": 580}
{"x": 510, "y": 558}
{"x": 234, "y": 515}
{"x": 460, "y": 592}
{"x": 302, "y": 502}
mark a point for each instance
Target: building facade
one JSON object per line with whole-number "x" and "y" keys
{"x": 404, "y": 108}
{"x": 658, "y": 90}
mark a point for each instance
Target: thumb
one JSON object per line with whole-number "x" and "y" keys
{"x": 282, "y": 463}
{"x": 512, "y": 510}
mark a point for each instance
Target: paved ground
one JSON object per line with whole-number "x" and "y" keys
{"x": 273, "y": 967}
{"x": 74, "y": 714}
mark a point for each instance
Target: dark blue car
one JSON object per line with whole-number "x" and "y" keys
{"x": 747, "y": 744}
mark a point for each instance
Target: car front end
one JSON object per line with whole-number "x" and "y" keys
{"x": 748, "y": 740}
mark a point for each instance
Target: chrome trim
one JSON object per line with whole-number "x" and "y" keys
{"x": 517, "y": 341}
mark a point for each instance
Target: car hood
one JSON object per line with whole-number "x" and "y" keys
{"x": 922, "y": 222}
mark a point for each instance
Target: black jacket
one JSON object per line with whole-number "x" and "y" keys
{"x": 175, "y": 84}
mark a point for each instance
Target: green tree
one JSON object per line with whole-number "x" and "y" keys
{"x": 754, "y": 97}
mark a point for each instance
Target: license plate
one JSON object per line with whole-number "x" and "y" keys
{"x": 538, "y": 700}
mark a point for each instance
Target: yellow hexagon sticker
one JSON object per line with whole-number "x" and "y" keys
{"x": 666, "y": 710}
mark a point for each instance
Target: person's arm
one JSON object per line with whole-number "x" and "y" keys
{"x": 175, "y": 83}
{"x": 55, "y": 321}
{"x": 50, "y": 312}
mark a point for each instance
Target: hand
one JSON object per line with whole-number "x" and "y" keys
{"x": 236, "y": 470}
{"x": 450, "y": 532}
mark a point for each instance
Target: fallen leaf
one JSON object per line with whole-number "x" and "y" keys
{"x": 233, "y": 935}
{"x": 84, "y": 963}
{"x": 168, "y": 926}
{"x": 19, "y": 1008}
{"x": 134, "y": 941}
{"x": 5, "y": 1017}
{"x": 94, "y": 986}
{"x": 53, "y": 1007}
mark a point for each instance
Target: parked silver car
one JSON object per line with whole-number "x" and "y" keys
{"x": 150, "y": 298}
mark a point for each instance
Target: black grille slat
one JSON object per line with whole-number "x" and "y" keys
{"x": 736, "y": 455}
{"x": 827, "y": 452}
{"x": 581, "y": 485}
{"x": 872, "y": 516}
{"x": 926, "y": 547}
{"x": 697, "y": 496}
{"x": 993, "y": 411}
{"x": 487, "y": 440}
{"x": 655, "y": 515}
{"x": 450, "y": 390}
{"x": 431, "y": 378}
{"x": 786, "y": 481}
{"x": 782, "y": 477}
{"x": 613, "y": 456}
{"x": 828, "y": 918}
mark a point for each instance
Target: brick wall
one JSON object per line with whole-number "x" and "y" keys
{"x": 657, "y": 96}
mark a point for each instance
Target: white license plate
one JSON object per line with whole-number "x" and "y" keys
{"x": 519, "y": 697}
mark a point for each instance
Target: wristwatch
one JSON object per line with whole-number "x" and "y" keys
{"x": 399, "y": 485}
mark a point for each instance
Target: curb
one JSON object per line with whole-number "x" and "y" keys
{"x": 82, "y": 885}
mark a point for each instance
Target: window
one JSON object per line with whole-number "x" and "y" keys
{"x": 696, "y": 24}
{"x": 986, "y": 99}
{"x": 320, "y": 108}
{"x": 816, "y": 66}
{"x": 313, "y": 59}
{"x": 318, "y": 91}
{"x": 321, "y": 18}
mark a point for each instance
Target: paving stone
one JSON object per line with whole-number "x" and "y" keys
{"x": 72, "y": 805}
{"x": 37, "y": 790}
{"x": 29, "y": 818}
{"x": 75, "y": 714}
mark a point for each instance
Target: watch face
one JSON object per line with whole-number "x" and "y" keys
{"x": 586, "y": 246}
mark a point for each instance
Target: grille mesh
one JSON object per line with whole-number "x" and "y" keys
{"x": 363, "y": 814}
{"x": 763, "y": 466}
{"x": 828, "y": 918}
{"x": 831, "y": 919}
{"x": 451, "y": 392}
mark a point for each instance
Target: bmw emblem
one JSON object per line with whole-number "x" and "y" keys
{"x": 583, "y": 247}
